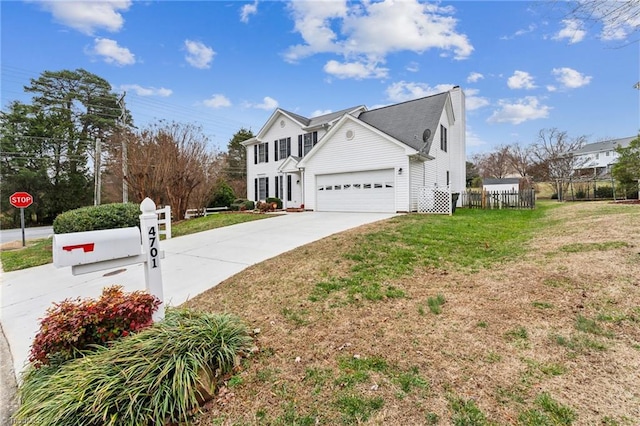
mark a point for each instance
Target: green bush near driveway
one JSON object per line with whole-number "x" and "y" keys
{"x": 95, "y": 218}
{"x": 158, "y": 375}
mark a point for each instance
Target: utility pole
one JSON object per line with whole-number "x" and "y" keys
{"x": 125, "y": 186}
{"x": 97, "y": 184}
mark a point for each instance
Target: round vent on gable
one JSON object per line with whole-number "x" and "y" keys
{"x": 282, "y": 123}
{"x": 426, "y": 135}
{"x": 350, "y": 134}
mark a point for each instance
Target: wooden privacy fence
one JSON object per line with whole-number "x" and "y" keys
{"x": 523, "y": 199}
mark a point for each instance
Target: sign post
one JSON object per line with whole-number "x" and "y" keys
{"x": 21, "y": 200}
{"x": 150, "y": 243}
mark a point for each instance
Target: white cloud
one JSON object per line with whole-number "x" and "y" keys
{"x": 413, "y": 67}
{"x": 356, "y": 70}
{"x": 619, "y": 19}
{"x": 520, "y": 32}
{"x": 572, "y": 31}
{"x": 247, "y": 10}
{"x": 525, "y": 109}
{"x": 198, "y": 55}
{"x": 367, "y": 32}
{"x": 474, "y": 77}
{"x": 521, "y": 80}
{"x": 268, "y": 103}
{"x": 405, "y": 91}
{"x": 570, "y": 78}
{"x": 88, "y": 16}
{"x": 319, "y": 112}
{"x": 472, "y": 139}
{"x": 147, "y": 91}
{"x": 473, "y": 101}
{"x": 217, "y": 101}
{"x": 111, "y": 52}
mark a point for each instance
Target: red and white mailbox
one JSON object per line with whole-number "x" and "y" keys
{"x": 82, "y": 248}
{"x": 93, "y": 251}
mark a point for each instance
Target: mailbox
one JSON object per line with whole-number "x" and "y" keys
{"x": 82, "y": 248}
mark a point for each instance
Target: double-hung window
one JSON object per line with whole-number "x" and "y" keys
{"x": 260, "y": 153}
{"x": 283, "y": 148}
{"x": 262, "y": 188}
{"x": 306, "y": 142}
{"x": 443, "y": 138}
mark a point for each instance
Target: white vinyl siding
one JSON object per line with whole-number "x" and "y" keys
{"x": 416, "y": 178}
{"x": 365, "y": 152}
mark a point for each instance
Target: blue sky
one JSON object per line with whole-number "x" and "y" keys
{"x": 524, "y": 66}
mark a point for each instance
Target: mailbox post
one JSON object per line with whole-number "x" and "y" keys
{"x": 150, "y": 243}
{"x": 94, "y": 251}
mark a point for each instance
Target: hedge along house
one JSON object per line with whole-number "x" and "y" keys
{"x": 359, "y": 160}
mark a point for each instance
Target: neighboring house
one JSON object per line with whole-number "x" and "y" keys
{"x": 596, "y": 159}
{"x": 501, "y": 185}
{"x": 360, "y": 160}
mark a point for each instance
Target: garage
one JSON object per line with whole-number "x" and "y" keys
{"x": 367, "y": 191}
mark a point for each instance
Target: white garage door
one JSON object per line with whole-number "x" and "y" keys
{"x": 370, "y": 191}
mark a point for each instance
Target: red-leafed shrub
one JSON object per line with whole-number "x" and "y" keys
{"x": 72, "y": 325}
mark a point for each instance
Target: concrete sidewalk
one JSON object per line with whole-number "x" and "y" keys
{"x": 192, "y": 264}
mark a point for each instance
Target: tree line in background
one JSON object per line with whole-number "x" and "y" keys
{"x": 68, "y": 145}
{"x": 549, "y": 159}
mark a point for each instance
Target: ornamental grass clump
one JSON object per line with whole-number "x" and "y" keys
{"x": 156, "y": 376}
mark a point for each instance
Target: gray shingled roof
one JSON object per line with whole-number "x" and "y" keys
{"x": 407, "y": 121}
{"x": 605, "y": 145}
{"x": 321, "y": 119}
{"x": 500, "y": 181}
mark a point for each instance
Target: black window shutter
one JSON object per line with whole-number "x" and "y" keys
{"x": 255, "y": 154}
{"x": 275, "y": 145}
{"x": 266, "y": 152}
{"x": 256, "y": 195}
{"x": 288, "y": 187}
{"x": 299, "y": 145}
{"x": 266, "y": 187}
{"x": 315, "y": 138}
{"x": 288, "y": 147}
{"x": 276, "y": 186}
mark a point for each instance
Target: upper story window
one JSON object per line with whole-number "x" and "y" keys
{"x": 306, "y": 142}
{"x": 282, "y": 148}
{"x": 443, "y": 138}
{"x": 260, "y": 153}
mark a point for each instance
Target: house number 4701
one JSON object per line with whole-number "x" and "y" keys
{"x": 153, "y": 250}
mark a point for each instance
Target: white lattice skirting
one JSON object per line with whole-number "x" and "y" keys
{"x": 434, "y": 200}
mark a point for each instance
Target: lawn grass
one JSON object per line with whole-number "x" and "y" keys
{"x": 527, "y": 333}
{"x": 38, "y": 252}
{"x": 213, "y": 221}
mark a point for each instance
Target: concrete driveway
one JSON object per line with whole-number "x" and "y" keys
{"x": 192, "y": 264}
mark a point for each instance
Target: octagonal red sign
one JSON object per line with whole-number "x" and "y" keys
{"x": 21, "y": 200}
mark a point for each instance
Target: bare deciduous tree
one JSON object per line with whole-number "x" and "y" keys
{"x": 619, "y": 18}
{"x": 171, "y": 164}
{"x": 494, "y": 164}
{"x": 553, "y": 159}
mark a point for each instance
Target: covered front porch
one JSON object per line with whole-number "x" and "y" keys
{"x": 290, "y": 184}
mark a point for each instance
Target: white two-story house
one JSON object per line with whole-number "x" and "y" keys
{"x": 360, "y": 160}
{"x": 596, "y": 159}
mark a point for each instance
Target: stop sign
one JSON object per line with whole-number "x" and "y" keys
{"x": 21, "y": 200}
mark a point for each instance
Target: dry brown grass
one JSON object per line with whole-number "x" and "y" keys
{"x": 469, "y": 351}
